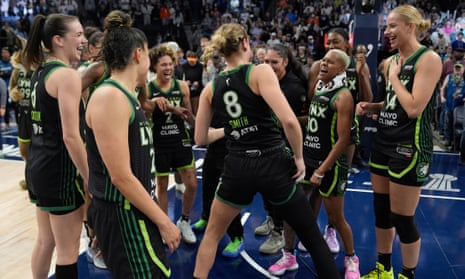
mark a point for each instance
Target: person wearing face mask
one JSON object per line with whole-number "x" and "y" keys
{"x": 192, "y": 72}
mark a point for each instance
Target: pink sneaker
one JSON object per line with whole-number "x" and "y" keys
{"x": 351, "y": 264}
{"x": 331, "y": 240}
{"x": 288, "y": 262}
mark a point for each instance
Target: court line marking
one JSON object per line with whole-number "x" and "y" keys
{"x": 249, "y": 259}
{"x": 255, "y": 265}
{"x": 421, "y": 195}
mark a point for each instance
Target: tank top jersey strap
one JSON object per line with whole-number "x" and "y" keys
{"x": 352, "y": 79}
{"x": 248, "y": 120}
{"x": 140, "y": 148}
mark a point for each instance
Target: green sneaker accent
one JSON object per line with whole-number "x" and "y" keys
{"x": 200, "y": 225}
{"x": 402, "y": 276}
{"x": 379, "y": 273}
{"x": 234, "y": 248}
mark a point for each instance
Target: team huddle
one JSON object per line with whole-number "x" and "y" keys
{"x": 104, "y": 136}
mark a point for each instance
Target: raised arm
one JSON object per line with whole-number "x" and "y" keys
{"x": 426, "y": 79}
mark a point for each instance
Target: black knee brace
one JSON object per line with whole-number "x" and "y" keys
{"x": 382, "y": 211}
{"x": 406, "y": 228}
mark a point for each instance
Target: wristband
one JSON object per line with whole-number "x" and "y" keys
{"x": 317, "y": 175}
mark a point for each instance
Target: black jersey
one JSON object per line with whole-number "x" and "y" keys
{"x": 140, "y": 149}
{"x": 48, "y": 160}
{"x": 169, "y": 130}
{"x": 395, "y": 128}
{"x": 321, "y": 133}
{"x": 248, "y": 120}
{"x": 295, "y": 91}
{"x": 24, "y": 87}
{"x": 352, "y": 79}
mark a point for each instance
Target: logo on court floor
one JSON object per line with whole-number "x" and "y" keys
{"x": 441, "y": 182}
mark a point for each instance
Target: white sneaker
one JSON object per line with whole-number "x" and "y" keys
{"x": 266, "y": 227}
{"x": 180, "y": 187}
{"x": 331, "y": 239}
{"x": 98, "y": 260}
{"x": 186, "y": 231}
{"x": 90, "y": 253}
{"x": 273, "y": 244}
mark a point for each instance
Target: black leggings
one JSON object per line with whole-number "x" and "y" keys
{"x": 212, "y": 169}
{"x": 299, "y": 215}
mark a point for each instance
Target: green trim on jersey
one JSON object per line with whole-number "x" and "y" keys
{"x": 247, "y": 76}
{"x": 116, "y": 84}
{"x": 134, "y": 241}
{"x": 289, "y": 197}
{"x": 334, "y": 183}
{"x": 167, "y": 91}
{"x": 58, "y": 64}
{"x": 165, "y": 269}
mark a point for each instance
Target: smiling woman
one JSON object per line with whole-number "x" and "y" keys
{"x": 401, "y": 155}
{"x": 56, "y": 168}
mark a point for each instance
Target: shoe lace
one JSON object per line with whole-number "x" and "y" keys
{"x": 274, "y": 238}
{"x": 350, "y": 264}
{"x": 374, "y": 273}
{"x": 331, "y": 233}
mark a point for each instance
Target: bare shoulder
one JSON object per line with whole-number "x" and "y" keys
{"x": 68, "y": 77}
{"x": 261, "y": 70}
{"x": 432, "y": 57}
{"x": 430, "y": 63}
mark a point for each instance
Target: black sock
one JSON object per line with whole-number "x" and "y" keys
{"x": 330, "y": 225}
{"x": 408, "y": 272}
{"x": 385, "y": 260}
{"x": 69, "y": 271}
{"x": 185, "y": 217}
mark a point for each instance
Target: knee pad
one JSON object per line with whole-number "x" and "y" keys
{"x": 406, "y": 228}
{"x": 382, "y": 208}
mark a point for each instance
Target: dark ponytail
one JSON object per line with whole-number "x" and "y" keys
{"x": 33, "y": 49}
{"x": 43, "y": 29}
{"x": 120, "y": 43}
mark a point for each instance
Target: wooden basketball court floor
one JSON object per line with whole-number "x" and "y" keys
{"x": 440, "y": 217}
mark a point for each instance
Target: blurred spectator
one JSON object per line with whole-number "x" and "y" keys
{"x": 5, "y": 72}
{"x": 259, "y": 56}
{"x": 302, "y": 54}
{"x": 213, "y": 67}
{"x": 459, "y": 43}
{"x": 192, "y": 72}
{"x": 273, "y": 39}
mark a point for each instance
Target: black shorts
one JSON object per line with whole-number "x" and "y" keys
{"x": 405, "y": 166}
{"x": 131, "y": 244}
{"x": 67, "y": 199}
{"x": 245, "y": 175}
{"x": 173, "y": 159}
{"x": 334, "y": 182}
{"x": 24, "y": 125}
